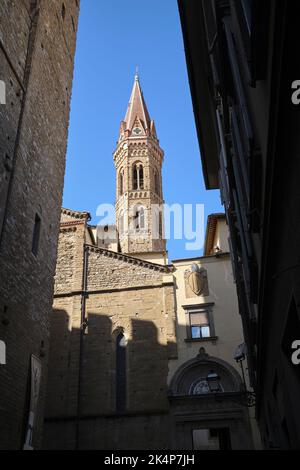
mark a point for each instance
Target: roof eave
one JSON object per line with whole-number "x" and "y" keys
{"x": 198, "y": 68}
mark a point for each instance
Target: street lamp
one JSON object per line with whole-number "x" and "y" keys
{"x": 247, "y": 398}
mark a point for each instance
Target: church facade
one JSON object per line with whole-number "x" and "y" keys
{"x": 141, "y": 355}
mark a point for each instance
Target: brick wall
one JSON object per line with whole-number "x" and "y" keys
{"x": 36, "y": 63}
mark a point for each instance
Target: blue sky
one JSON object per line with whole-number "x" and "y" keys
{"x": 114, "y": 36}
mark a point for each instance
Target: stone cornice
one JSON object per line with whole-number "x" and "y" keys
{"x": 76, "y": 214}
{"x": 106, "y": 290}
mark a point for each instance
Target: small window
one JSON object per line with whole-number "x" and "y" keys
{"x": 141, "y": 178}
{"x": 36, "y": 235}
{"x": 120, "y": 373}
{"x": 135, "y": 177}
{"x": 138, "y": 177}
{"x": 139, "y": 219}
{"x": 63, "y": 11}
{"x": 199, "y": 324}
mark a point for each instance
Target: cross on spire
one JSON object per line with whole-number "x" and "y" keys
{"x": 137, "y": 107}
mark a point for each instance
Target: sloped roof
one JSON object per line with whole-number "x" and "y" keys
{"x": 137, "y": 107}
{"x": 210, "y": 231}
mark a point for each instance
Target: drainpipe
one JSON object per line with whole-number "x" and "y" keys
{"x": 83, "y": 325}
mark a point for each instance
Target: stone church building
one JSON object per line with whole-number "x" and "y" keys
{"x": 141, "y": 355}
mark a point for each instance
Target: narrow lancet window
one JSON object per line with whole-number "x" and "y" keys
{"x": 120, "y": 373}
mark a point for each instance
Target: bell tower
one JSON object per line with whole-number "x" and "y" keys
{"x": 138, "y": 160}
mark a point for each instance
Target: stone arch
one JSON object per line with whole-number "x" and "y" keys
{"x": 196, "y": 369}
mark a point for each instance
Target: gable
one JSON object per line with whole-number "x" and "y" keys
{"x": 109, "y": 270}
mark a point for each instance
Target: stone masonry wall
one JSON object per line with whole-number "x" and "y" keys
{"x": 108, "y": 271}
{"x": 122, "y": 294}
{"x": 37, "y": 45}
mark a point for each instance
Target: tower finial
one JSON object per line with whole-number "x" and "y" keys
{"x": 136, "y": 73}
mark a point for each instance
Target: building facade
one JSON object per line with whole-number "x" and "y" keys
{"x": 209, "y": 330}
{"x": 242, "y": 78}
{"x": 129, "y": 359}
{"x": 37, "y": 46}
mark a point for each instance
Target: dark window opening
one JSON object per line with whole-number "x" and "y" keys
{"x": 120, "y": 373}
{"x": 121, "y": 183}
{"x": 139, "y": 219}
{"x": 211, "y": 439}
{"x": 141, "y": 178}
{"x": 36, "y": 235}
{"x": 135, "y": 178}
{"x": 138, "y": 177}
{"x": 63, "y": 11}
{"x": 160, "y": 225}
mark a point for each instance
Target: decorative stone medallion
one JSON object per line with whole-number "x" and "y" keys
{"x": 196, "y": 282}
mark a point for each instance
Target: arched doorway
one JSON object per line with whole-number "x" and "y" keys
{"x": 206, "y": 412}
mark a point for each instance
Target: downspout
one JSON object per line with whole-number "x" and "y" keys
{"x": 83, "y": 325}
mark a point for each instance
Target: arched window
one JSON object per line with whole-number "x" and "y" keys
{"x": 139, "y": 218}
{"x": 120, "y": 373}
{"x": 138, "y": 176}
{"x": 121, "y": 182}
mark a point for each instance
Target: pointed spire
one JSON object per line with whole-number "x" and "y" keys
{"x": 137, "y": 107}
